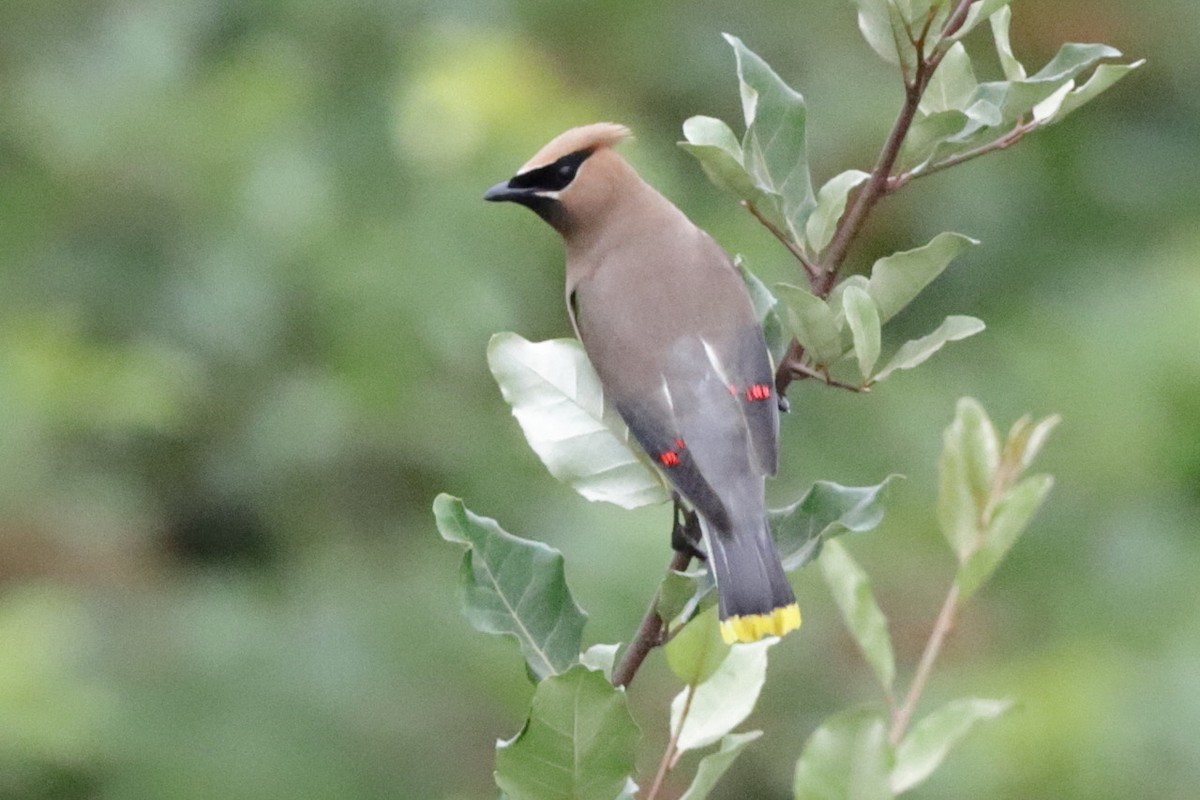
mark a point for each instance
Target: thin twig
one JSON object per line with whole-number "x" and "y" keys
{"x": 671, "y": 754}
{"x": 808, "y": 372}
{"x": 902, "y": 716}
{"x": 1007, "y": 140}
{"x": 649, "y": 633}
{"x": 786, "y": 240}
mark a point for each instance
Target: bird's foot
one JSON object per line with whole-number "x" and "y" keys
{"x": 685, "y": 533}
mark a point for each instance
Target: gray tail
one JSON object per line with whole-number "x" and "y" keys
{"x": 754, "y": 596}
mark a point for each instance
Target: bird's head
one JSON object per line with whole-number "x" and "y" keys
{"x": 572, "y": 177}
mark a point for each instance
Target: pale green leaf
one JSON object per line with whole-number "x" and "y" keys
{"x": 629, "y": 792}
{"x": 863, "y": 318}
{"x": 883, "y": 26}
{"x": 831, "y": 204}
{"x": 932, "y": 738}
{"x": 1013, "y": 69}
{"x": 826, "y": 510}
{"x": 722, "y": 702}
{"x": 714, "y": 765}
{"x": 846, "y": 758}
{"x": 1017, "y": 98}
{"x": 916, "y": 351}
{"x": 967, "y": 468}
{"x": 851, "y": 589}
{"x": 812, "y": 322}
{"x": 578, "y": 743}
{"x": 952, "y": 85}
{"x": 600, "y": 657}
{"x": 927, "y": 135}
{"x": 1073, "y": 58}
{"x": 674, "y": 593}
{"x": 717, "y": 149}
{"x": 695, "y": 652}
{"x": 556, "y": 397}
{"x": 1037, "y": 437}
{"x": 1009, "y": 520}
{"x": 900, "y": 277}
{"x": 1103, "y": 77}
{"x": 978, "y": 12}
{"x": 767, "y": 309}
{"x": 774, "y": 149}
{"x": 1046, "y": 109}
{"x": 514, "y": 587}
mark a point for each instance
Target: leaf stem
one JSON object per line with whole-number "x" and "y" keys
{"x": 809, "y": 268}
{"x": 902, "y": 716}
{"x": 671, "y": 754}
{"x": 649, "y": 633}
{"x": 1007, "y": 140}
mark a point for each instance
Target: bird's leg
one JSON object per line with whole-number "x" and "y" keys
{"x": 685, "y": 533}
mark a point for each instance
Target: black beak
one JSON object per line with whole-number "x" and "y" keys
{"x": 502, "y": 192}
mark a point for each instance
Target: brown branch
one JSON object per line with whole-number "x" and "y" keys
{"x": 1007, "y": 140}
{"x": 877, "y": 185}
{"x": 902, "y": 716}
{"x": 649, "y": 633}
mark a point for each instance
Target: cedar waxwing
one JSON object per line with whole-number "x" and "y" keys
{"x": 667, "y": 322}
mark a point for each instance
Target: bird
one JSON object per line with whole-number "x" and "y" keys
{"x": 667, "y": 322}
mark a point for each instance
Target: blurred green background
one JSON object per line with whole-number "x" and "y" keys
{"x": 247, "y": 283}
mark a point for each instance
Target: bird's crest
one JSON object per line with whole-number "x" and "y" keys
{"x": 586, "y": 137}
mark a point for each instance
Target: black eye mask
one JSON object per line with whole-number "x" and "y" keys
{"x": 553, "y": 177}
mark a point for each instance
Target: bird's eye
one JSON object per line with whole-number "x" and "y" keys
{"x": 566, "y": 170}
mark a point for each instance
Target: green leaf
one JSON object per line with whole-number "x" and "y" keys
{"x": 601, "y": 658}
{"x": 674, "y": 593}
{"x": 721, "y": 703}
{"x": 883, "y": 26}
{"x": 714, "y": 765}
{"x": 1036, "y": 438}
{"x": 952, "y": 85}
{"x": 1073, "y": 58}
{"x": 1103, "y": 77}
{"x": 767, "y": 309}
{"x": 1016, "y": 98}
{"x": 695, "y": 652}
{"x": 717, "y": 149}
{"x": 978, "y": 12}
{"x": 774, "y": 149}
{"x": 1008, "y": 521}
{"x": 578, "y": 743}
{"x": 831, "y": 204}
{"x": 851, "y": 589}
{"x": 927, "y": 135}
{"x": 629, "y": 792}
{"x": 556, "y": 397}
{"x": 900, "y": 277}
{"x": 1013, "y": 69}
{"x": 847, "y": 758}
{"x": 967, "y": 469}
{"x": 917, "y": 351}
{"x": 812, "y": 322}
{"x": 863, "y": 318}
{"x": 931, "y": 740}
{"x": 515, "y": 587}
{"x": 826, "y": 510}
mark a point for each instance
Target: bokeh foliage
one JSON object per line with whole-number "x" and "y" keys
{"x": 247, "y": 285}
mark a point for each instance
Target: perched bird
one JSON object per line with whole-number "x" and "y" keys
{"x": 667, "y": 323}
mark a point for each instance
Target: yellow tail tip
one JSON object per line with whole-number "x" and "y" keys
{"x": 752, "y": 627}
